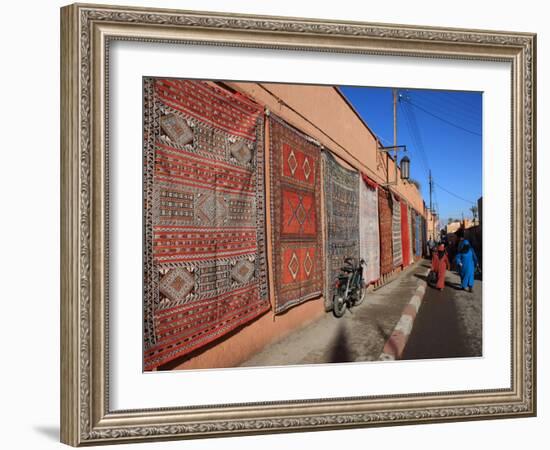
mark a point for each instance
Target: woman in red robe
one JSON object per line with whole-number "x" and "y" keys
{"x": 440, "y": 265}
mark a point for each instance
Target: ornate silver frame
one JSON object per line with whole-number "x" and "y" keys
{"x": 86, "y": 31}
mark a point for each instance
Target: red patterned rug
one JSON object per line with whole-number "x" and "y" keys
{"x": 405, "y": 235}
{"x": 295, "y": 216}
{"x": 385, "y": 211}
{"x": 205, "y": 269}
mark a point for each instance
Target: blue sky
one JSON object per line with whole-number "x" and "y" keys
{"x": 442, "y": 131}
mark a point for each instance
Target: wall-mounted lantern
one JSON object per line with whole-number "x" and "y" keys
{"x": 405, "y": 168}
{"x": 405, "y": 163}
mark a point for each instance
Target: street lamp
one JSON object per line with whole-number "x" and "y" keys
{"x": 405, "y": 167}
{"x": 405, "y": 162}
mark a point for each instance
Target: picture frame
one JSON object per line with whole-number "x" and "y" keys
{"x": 86, "y": 34}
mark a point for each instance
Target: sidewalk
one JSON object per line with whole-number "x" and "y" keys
{"x": 359, "y": 335}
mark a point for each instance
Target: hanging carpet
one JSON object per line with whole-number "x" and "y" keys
{"x": 341, "y": 190}
{"x": 418, "y": 235}
{"x": 405, "y": 238}
{"x": 424, "y": 235}
{"x": 204, "y": 261}
{"x": 385, "y": 211}
{"x": 368, "y": 228}
{"x": 411, "y": 235}
{"x": 397, "y": 245}
{"x": 296, "y": 234}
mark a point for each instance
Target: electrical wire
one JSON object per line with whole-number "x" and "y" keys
{"x": 415, "y": 136}
{"x": 409, "y": 102}
{"x": 454, "y": 195}
{"x": 449, "y": 110}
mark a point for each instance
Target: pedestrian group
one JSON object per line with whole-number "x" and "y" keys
{"x": 465, "y": 261}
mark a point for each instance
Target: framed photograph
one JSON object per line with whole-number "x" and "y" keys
{"x": 277, "y": 224}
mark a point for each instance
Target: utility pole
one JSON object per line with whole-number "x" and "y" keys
{"x": 395, "y": 95}
{"x": 395, "y": 120}
{"x": 430, "y": 182}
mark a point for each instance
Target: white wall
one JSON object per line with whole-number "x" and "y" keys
{"x": 29, "y": 194}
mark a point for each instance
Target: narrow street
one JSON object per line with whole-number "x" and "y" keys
{"x": 358, "y": 336}
{"x": 448, "y": 324}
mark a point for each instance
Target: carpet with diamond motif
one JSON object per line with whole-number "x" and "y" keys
{"x": 204, "y": 244}
{"x": 296, "y": 234}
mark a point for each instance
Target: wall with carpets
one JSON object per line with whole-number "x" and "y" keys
{"x": 232, "y": 194}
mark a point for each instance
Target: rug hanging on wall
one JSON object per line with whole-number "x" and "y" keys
{"x": 385, "y": 221}
{"x": 204, "y": 263}
{"x": 411, "y": 235}
{"x": 418, "y": 235}
{"x": 424, "y": 234}
{"x": 405, "y": 238}
{"x": 341, "y": 189}
{"x": 296, "y": 234}
{"x": 397, "y": 245}
{"x": 369, "y": 235}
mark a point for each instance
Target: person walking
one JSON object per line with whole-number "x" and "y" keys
{"x": 440, "y": 265}
{"x": 466, "y": 261}
{"x": 431, "y": 247}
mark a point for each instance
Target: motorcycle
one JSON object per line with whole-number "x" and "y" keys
{"x": 350, "y": 289}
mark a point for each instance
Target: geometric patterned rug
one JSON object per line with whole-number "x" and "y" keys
{"x": 295, "y": 216}
{"x": 204, "y": 243}
{"x": 368, "y": 228}
{"x": 385, "y": 212}
{"x": 405, "y": 234}
{"x": 411, "y": 236}
{"x": 397, "y": 247}
{"x": 417, "y": 234}
{"x": 341, "y": 189}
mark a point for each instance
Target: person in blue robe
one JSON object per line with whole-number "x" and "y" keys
{"x": 466, "y": 261}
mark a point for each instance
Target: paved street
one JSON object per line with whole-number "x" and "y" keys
{"x": 358, "y": 336}
{"x": 448, "y": 324}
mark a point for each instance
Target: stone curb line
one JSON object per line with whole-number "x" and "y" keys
{"x": 395, "y": 345}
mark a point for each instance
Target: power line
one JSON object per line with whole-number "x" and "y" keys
{"x": 414, "y": 133}
{"x": 451, "y": 97}
{"x": 449, "y": 110}
{"x": 383, "y": 139}
{"x": 441, "y": 118}
{"x": 455, "y": 195}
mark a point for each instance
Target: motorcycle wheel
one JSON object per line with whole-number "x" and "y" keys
{"x": 361, "y": 297}
{"x": 339, "y": 304}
